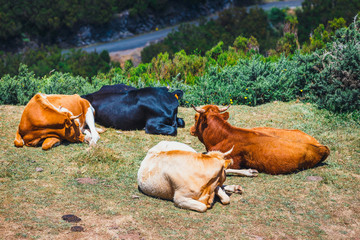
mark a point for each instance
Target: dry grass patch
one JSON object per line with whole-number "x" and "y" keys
{"x": 272, "y": 207}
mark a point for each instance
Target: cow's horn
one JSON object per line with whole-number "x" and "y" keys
{"x": 228, "y": 152}
{"x": 75, "y": 117}
{"x": 198, "y": 110}
{"x": 224, "y": 108}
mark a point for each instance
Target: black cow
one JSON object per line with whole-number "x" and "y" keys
{"x": 152, "y": 108}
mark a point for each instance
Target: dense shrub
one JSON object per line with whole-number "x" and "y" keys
{"x": 322, "y": 35}
{"x": 44, "y": 60}
{"x": 43, "y": 19}
{"x": 315, "y": 12}
{"x": 251, "y": 82}
{"x": 201, "y": 38}
{"x": 328, "y": 77}
{"x": 22, "y": 87}
{"x": 337, "y": 85}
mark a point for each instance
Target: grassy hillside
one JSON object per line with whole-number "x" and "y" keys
{"x": 272, "y": 207}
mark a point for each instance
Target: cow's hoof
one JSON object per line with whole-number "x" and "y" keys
{"x": 238, "y": 189}
{"x": 253, "y": 172}
{"x": 88, "y": 139}
{"x": 92, "y": 143}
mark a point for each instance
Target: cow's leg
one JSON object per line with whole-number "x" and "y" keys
{"x": 188, "y": 203}
{"x": 242, "y": 172}
{"x": 180, "y": 122}
{"x": 224, "y": 198}
{"x": 50, "y": 142}
{"x": 100, "y": 130}
{"x": 88, "y": 136}
{"x": 159, "y": 126}
{"x": 90, "y": 121}
{"x": 18, "y": 142}
{"x": 232, "y": 189}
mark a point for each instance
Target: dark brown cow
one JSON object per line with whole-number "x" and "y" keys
{"x": 268, "y": 150}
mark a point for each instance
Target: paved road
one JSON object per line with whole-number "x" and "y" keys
{"x": 143, "y": 39}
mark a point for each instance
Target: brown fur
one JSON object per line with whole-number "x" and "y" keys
{"x": 41, "y": 121}
{"x": 269, "y": 150}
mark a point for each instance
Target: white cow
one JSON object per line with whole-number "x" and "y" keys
{"x": 175, "y": 171}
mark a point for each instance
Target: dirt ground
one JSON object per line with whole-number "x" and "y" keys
{"x": 131, "y": 54}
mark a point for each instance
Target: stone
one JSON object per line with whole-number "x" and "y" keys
{"x": 314, "y": 178}
{"x": 71, "y": 218}
{"x": 77, "y": 229}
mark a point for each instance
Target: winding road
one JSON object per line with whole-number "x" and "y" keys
{"x": 143, "y": 39}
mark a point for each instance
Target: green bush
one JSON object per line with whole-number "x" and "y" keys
{"x": 252, "y": 81}
{"x": 202, "y": 38}
{"x": 20, "y": 88}
{"x": 323, "y": 35}
{"x": 336, "y": 86}
{"x": 316, "y": 12}
{"x": 44, "y": 60}
{"x": 328, "y": 77}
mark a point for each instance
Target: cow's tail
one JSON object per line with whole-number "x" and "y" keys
{"x": 18, "y": 142}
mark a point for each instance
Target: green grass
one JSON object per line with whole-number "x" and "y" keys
{"x": 272, "y": 207}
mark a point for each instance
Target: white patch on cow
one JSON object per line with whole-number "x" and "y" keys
{"x": 87, "y": 136}
{"x": 90, "y": 121}
{"x": 243, "y": 172}
{"x": 60, "y": 108}
{"x": 165, "y": 146}
{"x": 224, "y": 198}
{"x": 233, "y": 189}
{"x": 43, "y": 95}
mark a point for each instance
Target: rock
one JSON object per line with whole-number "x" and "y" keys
{"x": 135, "y": 197}
{"x": 71, "y": 218}
{"x": 77, "y": 229}
{"x": 314, "y": 178}
{"x": 39, "y": 169}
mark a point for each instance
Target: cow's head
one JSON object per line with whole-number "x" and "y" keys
{"x": 72, "y": 128}
{"x": 178, "y": 94}
{"x": 201, "y": 117}
{"x": 223, "y": 157}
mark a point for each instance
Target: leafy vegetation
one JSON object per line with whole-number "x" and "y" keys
{"x": 231, "y": 23}
{"x": 44, "y": 21}
{"x": 328, "y": 77}
{"x": 337, "y": 86}
{"x": 316, "y": 12}
{"x": 324, "y": 71}
{"x": 45, "y": 60}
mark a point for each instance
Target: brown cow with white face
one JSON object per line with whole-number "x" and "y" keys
{"x": 48, "y": 119}
{"x": 174, "y": 171}
{"x": 268, "y": 150}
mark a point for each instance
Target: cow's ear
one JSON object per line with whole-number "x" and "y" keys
{"x": 67, "y": 123}
{"x": 225, "y": 115}
{"x": 178, "y": 94}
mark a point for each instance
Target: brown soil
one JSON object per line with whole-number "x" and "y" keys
{"x": 131, "y": 54}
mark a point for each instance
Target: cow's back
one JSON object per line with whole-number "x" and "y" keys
{"x": 288, "y": 134}
{"x": 162, "y": 173}
{"x": 45, "y": 115}
{"x": 74, "y": 103}
{"x": 272, "y": 154}
{"x": 130, "y": 110}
